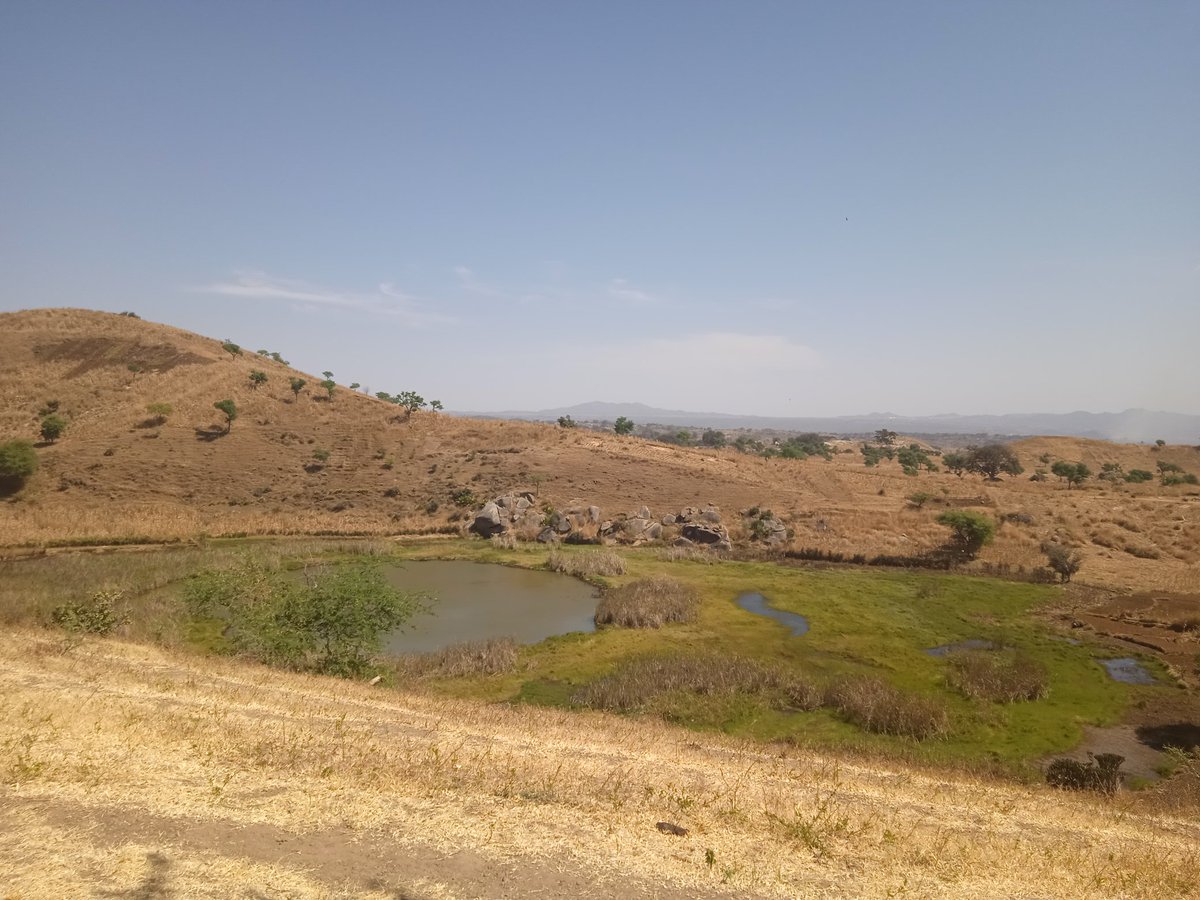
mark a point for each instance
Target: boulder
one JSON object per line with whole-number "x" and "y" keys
{"x": 699, "y": 533}
{"x": 489, "y": 521}
{"x": 668, "y": 519}
{"x": 547, "y": 536}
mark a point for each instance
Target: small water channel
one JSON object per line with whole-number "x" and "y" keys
{"x": 756, "y": 603}
{"x": 474, "y": 601}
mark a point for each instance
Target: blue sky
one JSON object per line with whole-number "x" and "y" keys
{"x": 774, "y": 208}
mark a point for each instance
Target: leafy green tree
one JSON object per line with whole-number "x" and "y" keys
{"x": 912, "y": 459}
{"x": 1111, "y": 472}
{"x": 231, "y": 348}
{"x": 1061, "y": 560}
{"x": 266, "y": 353}
{"x": 18, "y": 460}
{"x": 332, "y": 622}
{"x": 279, "y": 359}
{"x": 53, "y": 426}
{"x": 410, "y": 400}
{"x": 991, "y": 460}
{"x": 713, "y": 438}
{"x": 436, "y": 405}
{"x": 257, "y": 378}
{"x": 327, "y": 375}
{"x": 970, "y": 532}
{"x": 623, "y": 425}
{"x": 566, "y": 422}
{"x": 873, "y": 456}
{"x": 297, "y": 385}
{"x": 354, "y": 385}
{"x": 1072, "y": 473}
{"x": 1138, "y": 476}
{"x": 229, "y": 408}
{"x": 919, "y": 498}
{"x": 330, "y": 386}
{"x": 385, "y": 396}
{"x": 956, "y": 463}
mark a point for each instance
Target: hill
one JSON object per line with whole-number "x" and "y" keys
{"x": 1133, "y": 425}
{"x": 135, "y": 771}
{"x": 116, "y": 474}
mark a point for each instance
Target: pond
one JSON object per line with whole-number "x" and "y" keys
{"x": 756, "y": 603}
{"x": 1127, "y": 671}
{"x": 474, "y": 601}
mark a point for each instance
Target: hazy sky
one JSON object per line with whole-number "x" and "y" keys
{"x": 776, "y": 208}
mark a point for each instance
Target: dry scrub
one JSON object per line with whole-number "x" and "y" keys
{"x": 586, "y": 563}
{"x": 490, "y": 656}
{"x": 997, "y": 676}
{"x": 648, "y": 603}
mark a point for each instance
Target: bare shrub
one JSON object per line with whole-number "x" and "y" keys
{"x": 685, "y": 554}
{"x": 997, "y": 676}
{"x": 505, "y": 541}
{"x": 647, "y": 603}
{"x": 637, "y": 683}
{"x": 491, "y": 656}
{"x": 874, "y": 705}
{"x": 1101, "y": 773}
{"x": 586, "y": 564}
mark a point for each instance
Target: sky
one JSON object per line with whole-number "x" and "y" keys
{"x": 790, "y": 209}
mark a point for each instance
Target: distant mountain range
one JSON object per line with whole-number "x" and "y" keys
{"x": 1130, "y": 426}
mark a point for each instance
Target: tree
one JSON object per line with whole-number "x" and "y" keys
{"x": 566, "y": 422}
{"x": 1061, "y": 560}
{"x": 885, "y": 437}
{"x": 1112, "y": 472}
{"x": 18, "y": 460}
{"x": 53, "y": 426}
{"x": 332, "y": 622}
{"x": 912, "y": 458}
{"x": 328, "y": 376}
{"x": 279, "y": 359}
{"x": 385, "y": 396}
{"x": 713, "y": 438}
{"x": 956, "y": 463}
{"x": 623, "y": 425}
{"x": 991, "y": 460}
{"x": 436, "y": 405}
{"x": 257, "y": 378}
{"x": 297, "y": 385}
{"x": 920, "y": 498}
{"x": 231, "y": 348}
{"x": 1071, "y": 473}
{"x": 410, "y": 400}
{"x": 229, "y": 408}
{"x": 971, "y": 531}
{"x": 354, "y": 385}
{"x": 330, "y": 385}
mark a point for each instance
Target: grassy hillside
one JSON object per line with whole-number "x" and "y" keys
{"x": 114, "y": 474}
{"x": 140, "y": 772}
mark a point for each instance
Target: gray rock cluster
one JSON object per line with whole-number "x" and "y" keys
{"x": 580, "y": 522}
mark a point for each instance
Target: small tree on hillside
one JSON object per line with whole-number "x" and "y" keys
{"x": 297, "y": 385}
{"x": 18, "y": 460}
{"x": 354, "y": 385}
{"x": 410, "y": 400}
{"x": 229, "y": 408}
{"x": 623, "y": 425}
{"x": 1061, "y": 560}
{"x": 384, "y": 396}
{"x": 328, "y": 376}
{"x": 330, "y": 385}
{"x": 1072, "y": 473}
{"x": 436, "y": 406}
{"x": 257, "y": 378}
{"x": 231, "y": 348}
{"x": 991, "y": 460}
{"x": 971, "y": 531}
{"x": 566, "y": 422}
{"x": 956, "y": 463}
{"x": 279, "y": 359}
{"x": 713, "y": 438}
{"x": 885, "y": 437}
{"x": 53, "y": 426}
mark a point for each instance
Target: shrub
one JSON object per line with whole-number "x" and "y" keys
{"x": 1072, "y": 473}
{"x": 874, "y": 705}
{"x": 586, "y": 565}
{"x": 912, "y": 459}
{"x": 1101, "y": 773}
{"x": 53, "y": 426}
{"x": 971, "y": 531}
{"x": 1172, "y": 479}
{"x": 297, "y": 385}
{"x": 637, "y": 683}
{"x": 920, "y": 498}
{"x": 99, "y": 614}
{"x": 1062, "y": 561}
{"x": 257, "y": 377}
{"x": 330, "y": 622}
{"x": 566, "y": 422}
{"x": 159, "y": 412}
{"x": 1138, "y": 476}
{"x": 18, "y": 460}
{"x": 491, "y": 656}
{"x": 321, "y": 455}
{"x": 330, "y": 386}
{"x": 231, "y": 348}
{"x": 464, "y": 498}
{"x": 647, "y": 603}
{"x": 999, "y": 677}
{"x": 623, "y": 425}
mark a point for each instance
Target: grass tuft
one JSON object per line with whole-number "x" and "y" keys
{"x": 1000, "y": 677}
{"x": 587, "y": 564}
{"x": 491, "y": 656}
{"x": 648, "y": 603}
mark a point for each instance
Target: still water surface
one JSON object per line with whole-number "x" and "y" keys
{"x": 475, "y": 601}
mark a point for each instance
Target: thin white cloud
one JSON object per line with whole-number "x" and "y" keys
{"x": 469, "y": 281}
{"x": 620, "y": 289}
{"x": 386, "y": 299}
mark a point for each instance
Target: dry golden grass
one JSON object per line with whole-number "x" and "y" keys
{"x": 110, "y": 478}
{"x": 130, "y": 769}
